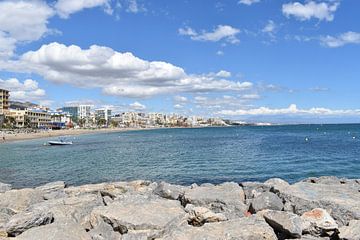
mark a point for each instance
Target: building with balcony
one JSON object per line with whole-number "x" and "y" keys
{"x": 30, "y": 118}
{"x": 4, "y": 101}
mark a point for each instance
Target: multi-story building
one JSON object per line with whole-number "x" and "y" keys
{"x": 30, "y": 118}
{"x": 104, "y": 113}
{"x": 77, "y": 112}
{"x": 4, "y": 101}
{"x": 61, "y": 120}
{"x": 73, "y": 111}
{"x": 84, "y": 111}
{"x": 4, "y": 104}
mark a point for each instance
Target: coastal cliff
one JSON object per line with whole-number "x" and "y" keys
{"x": 315, "y": 208}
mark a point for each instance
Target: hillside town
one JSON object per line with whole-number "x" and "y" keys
{"x": 17, "y": 115}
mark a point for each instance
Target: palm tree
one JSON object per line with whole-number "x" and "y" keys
{"x": 9, "y": 122}
{"x": 101, "y": 122}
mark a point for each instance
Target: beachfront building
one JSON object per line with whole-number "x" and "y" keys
{"x": 4, "y": 104}
{"x": 78, "y": 112}
{"x": 4, "y": 101}
{"x": 73, "y": 111}
{"x": 60, "y": 120}
{"x": 34, "y": 118}
{"x": 216, "y": 122}
{"x": 103, "y": 113}
{"x": 84, "y": 111}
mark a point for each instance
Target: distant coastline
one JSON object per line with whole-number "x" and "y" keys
{"x": 13, "y": 136}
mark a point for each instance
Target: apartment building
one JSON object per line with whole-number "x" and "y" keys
{"x": 30, "y": 118}
{"x": 4, "y": 101}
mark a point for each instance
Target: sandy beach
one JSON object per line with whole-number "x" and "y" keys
{"x": 11, "y": 137}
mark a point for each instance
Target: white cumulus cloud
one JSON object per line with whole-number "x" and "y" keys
{"x": 291, "y": 110}
{"x": 27, "y": 90}
{"x": 65, "y": 8}
{"x": 118, "y": 74}
{"x": 22, "y": 21}
{"x": 221, "y": 32}
{"x": 341, "y": 40}
{"x": 312, "y": 9}
{"x": 248, "y": 2}
{"x": 137, "y": 106}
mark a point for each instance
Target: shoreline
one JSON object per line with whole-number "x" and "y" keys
{"x": 16, "y": 137}
{"x": 270, "y": 210}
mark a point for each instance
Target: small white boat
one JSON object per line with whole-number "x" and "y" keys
{"x": 59, "y": 143}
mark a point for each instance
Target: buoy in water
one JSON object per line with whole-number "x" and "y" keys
{"x": 354, "y": 137}
{"x": 306, "y": 139}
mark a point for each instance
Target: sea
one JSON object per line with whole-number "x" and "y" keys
{"x": 186, "y": 156}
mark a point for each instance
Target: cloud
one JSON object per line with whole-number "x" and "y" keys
{"x": 248, "y": 2}
{"x": 137, "y": 106}
{"x": 135, "y": 7}
{"x": 220, "y": 53}
{"x": 291, "y": 110}
{"x": 65, "y": 8}
{"x": 180, "y": 99}
{"x": 217, "y": 103}
{"x": 221, "y": 32}
{"x": 23, "y": 91}
{"x": 223, "y": 74}
{"x": 21, "y": 22}
{"x": 319, "y": 89}
{"x": 7, "y": 45}
{"x": 270, "y": 27}
{"x": 341, "y": 40}
{"x": 178, "y": 106}
{"x": 118, "y": 74}
{"x": 312, "y": 9}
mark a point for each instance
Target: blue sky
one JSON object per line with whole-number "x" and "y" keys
{"x": 264, "y": 60}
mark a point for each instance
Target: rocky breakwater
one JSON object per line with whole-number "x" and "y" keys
{"x": 316, "y": 208}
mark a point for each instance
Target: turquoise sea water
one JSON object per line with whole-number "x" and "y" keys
{"x": 186, "y": 156}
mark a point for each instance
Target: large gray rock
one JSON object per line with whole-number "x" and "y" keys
{"x": 254, "y": 189}
{"x": 76, "y": 208}
{"x": 169, "y": 191}
{"x": 342, "y": 200}
{"x": 351, "y": 232}
{"x": 53, "y": 190}
{"x": 227, "y": 198}
{"x": 104, "y": 231}
{"x": 332, "y": 180}
{"x": 21, "y": 222}
{"x": 4, "y": 187}
{"x": 68, "y": 230}
{"x": 19, "y": 200}
{"x": 106, "y": 189}
{"x": 266, "y": 200}
{"x": 138, "y": 213}
{"x": 51, "y": 187}
{"x": 4, "y": 218}
{"x": 251, "y": 228}
{"x": 318, "y": 222}
{"x": 287, "y": 224}
{"x": 276, "y": 184}
{"x": 198, "y": 216}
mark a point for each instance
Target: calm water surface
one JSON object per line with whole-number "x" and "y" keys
{"x": 185, "y": 156}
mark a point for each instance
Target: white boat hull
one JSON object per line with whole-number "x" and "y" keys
{"x": 59, "y": 143}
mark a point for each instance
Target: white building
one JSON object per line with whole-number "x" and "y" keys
{"x": 84, "y": 111}
{"x": 103, "y": 113}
